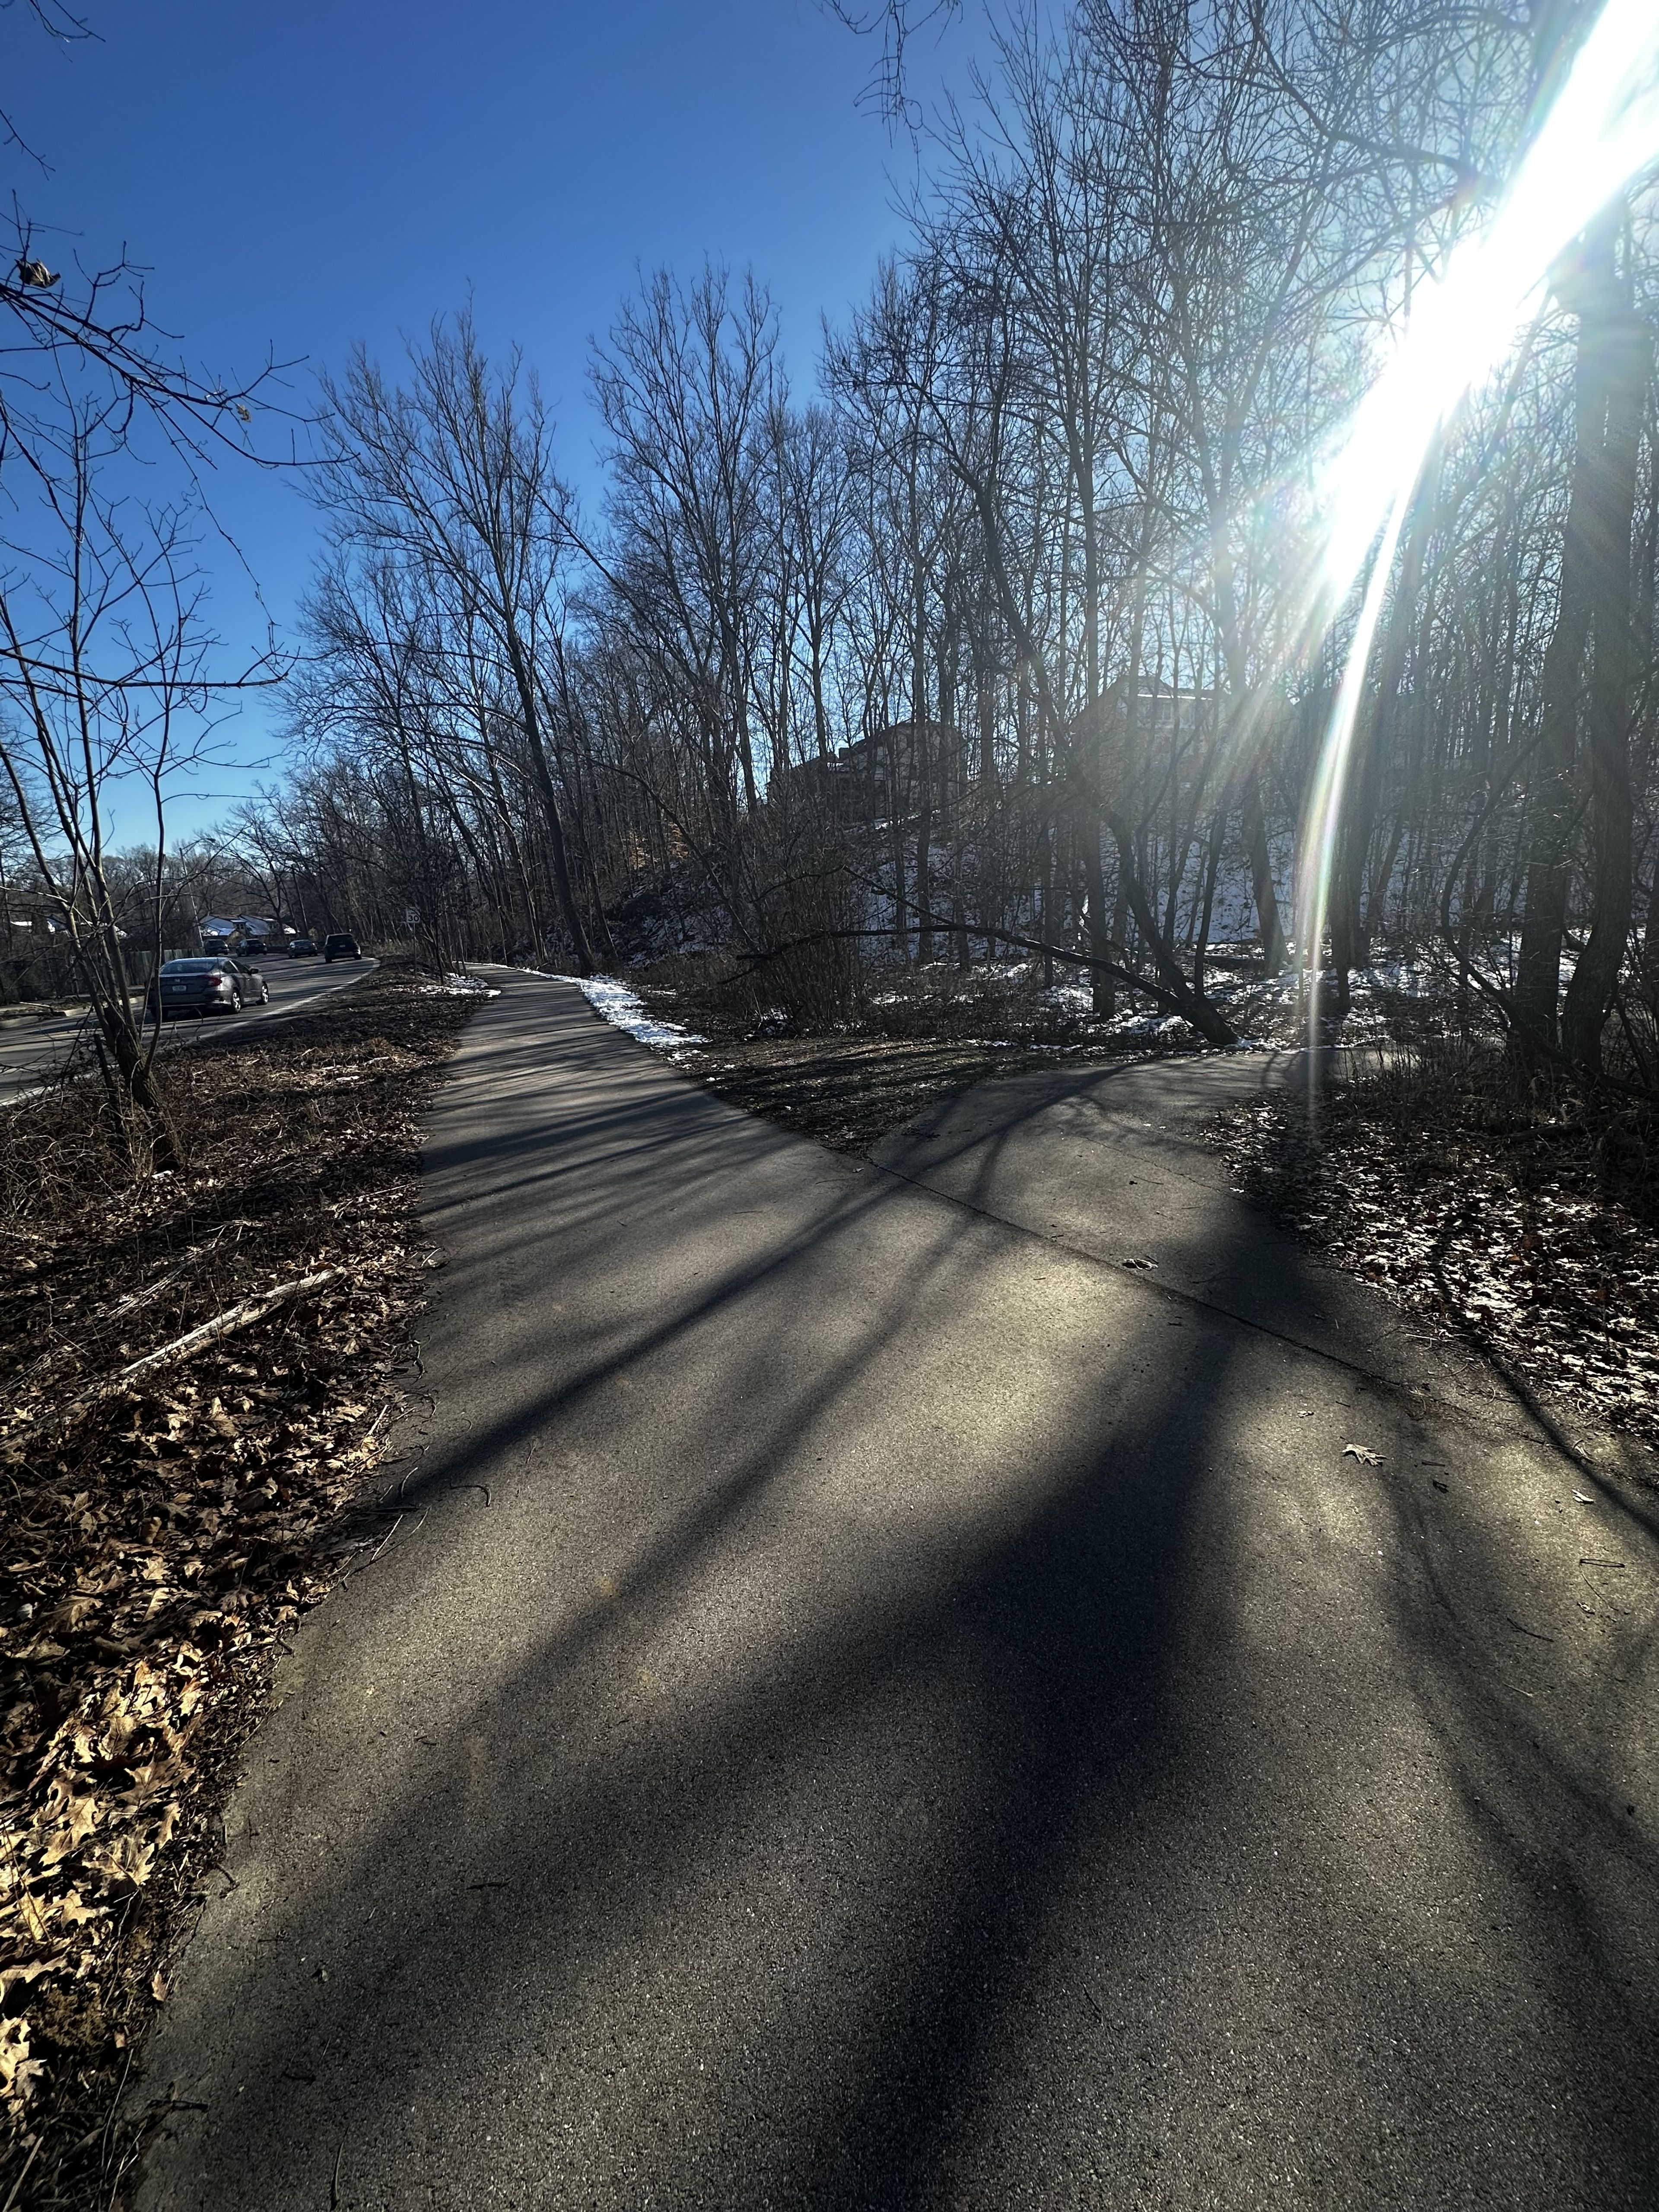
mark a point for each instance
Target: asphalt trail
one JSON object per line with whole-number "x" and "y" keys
{"x": 875, "y": 1703}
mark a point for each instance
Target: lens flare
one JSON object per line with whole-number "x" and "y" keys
{"x": 1599, "y": 135}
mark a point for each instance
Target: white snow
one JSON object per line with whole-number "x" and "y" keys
{"x": 625, "y": 1009}
{"x": 461, "y": 987}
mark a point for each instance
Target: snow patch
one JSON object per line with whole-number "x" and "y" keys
{"x": 1147, "y": 1028}
{"x": 461, "y": 987}
{"x": 624, "y": 1010}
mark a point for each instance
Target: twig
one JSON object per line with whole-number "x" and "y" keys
{"x": 224, "y": 1324}
{"x": 386, "y": 1539}
{"x": 123, "y": 1307}
{"x": 334, "y": 2184}
{"x": 1537, "y": 1635}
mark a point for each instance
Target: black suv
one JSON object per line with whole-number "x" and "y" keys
{"x": 339, "y": 946}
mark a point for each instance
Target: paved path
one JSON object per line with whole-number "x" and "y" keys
{"x": 875, "y": 1704}
{"x": 31, "y": 1050}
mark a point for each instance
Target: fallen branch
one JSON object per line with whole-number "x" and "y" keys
{"x": 224, "y": 1324}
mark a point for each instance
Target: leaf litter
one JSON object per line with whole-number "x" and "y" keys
{"x": 1521, "y": 1224}
{"x": 167, "y": 1520}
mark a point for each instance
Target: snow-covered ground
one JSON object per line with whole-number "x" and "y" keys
{"x": 625, "y": 1009}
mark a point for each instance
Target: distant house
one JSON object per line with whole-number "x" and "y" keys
{"x": 867, "y": 765}
{"x": 221, "y": 932}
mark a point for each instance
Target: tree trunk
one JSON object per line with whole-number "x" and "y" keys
{"x": 921, "y": 753}
{"x": 550, "y": 798}
{"x": 1538, "y": 978}
{"x": 1596, "y": 980}
{"x": 1350, "y": 937}
{"x": 1264, "y": 889}
{"x": 1211, "y": 870}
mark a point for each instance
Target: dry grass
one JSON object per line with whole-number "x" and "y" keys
{"x": 159, "y": 1545}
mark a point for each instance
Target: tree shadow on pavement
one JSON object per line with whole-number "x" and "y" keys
{"x": 938, "y": 1741}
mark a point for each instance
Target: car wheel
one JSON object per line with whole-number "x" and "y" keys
{"x": 236, "y": 1002}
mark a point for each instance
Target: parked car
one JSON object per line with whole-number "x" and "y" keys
{"x": 254, "y": 948}
{"x": 301, "y": 948}
{"x": 205, "y": 987}
{"x": 339, "y": 946}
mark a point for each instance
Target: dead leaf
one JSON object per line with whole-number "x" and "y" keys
{"x": 81, "y": 1818}
{"x": 123, "y": 1730}
{"x": 1363, "y": 1454}
{"x": 154, "y": 1775}
{"x": 11, "y": 1977}
{"x": 70, "y": 1614}
{"x": 130, "y": 1861}
{"x": 244, "y": 1467}
{"x": 18, "y": 2072}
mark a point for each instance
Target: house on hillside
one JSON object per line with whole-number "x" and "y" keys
{"x": 867, "y": 773}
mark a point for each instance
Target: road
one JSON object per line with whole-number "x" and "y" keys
{"x": 873, "y": 1703}
{"x": 31, "y": 1050}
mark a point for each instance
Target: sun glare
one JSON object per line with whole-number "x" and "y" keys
{"x": 1599, "y": 136}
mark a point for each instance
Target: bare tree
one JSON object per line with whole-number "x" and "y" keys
{"x": 108, "y": 688}
{"x": 455, "y": 478}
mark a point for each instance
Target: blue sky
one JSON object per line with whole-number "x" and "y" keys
{"x": 301, "y": 176}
